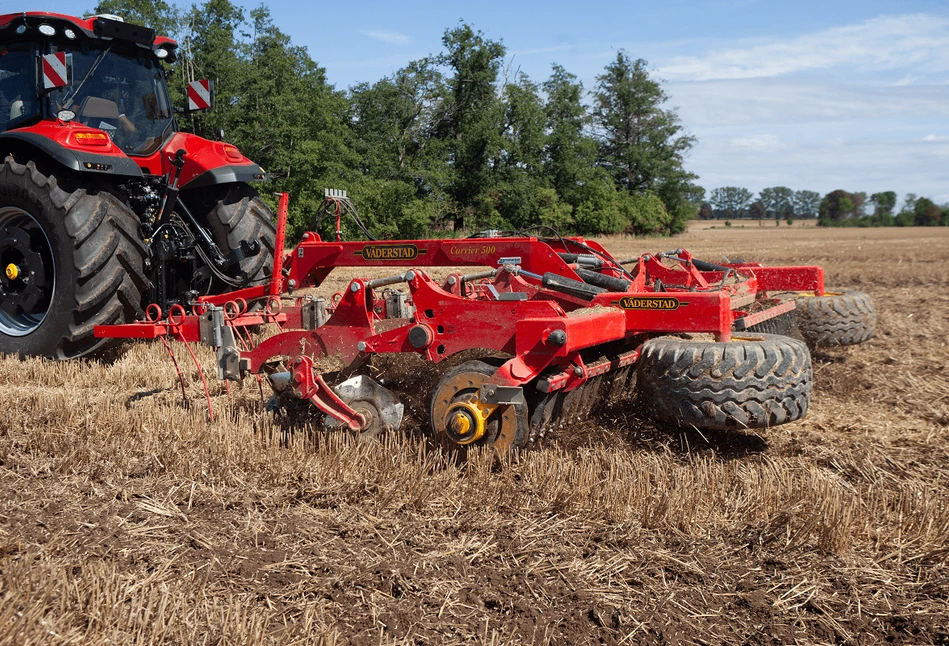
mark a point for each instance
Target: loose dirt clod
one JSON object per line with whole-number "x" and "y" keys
{"x": 126, "y": 517}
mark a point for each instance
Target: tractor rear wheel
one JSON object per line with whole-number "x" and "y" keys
{"x": 71, "y": 260}
{"x": 234, "y": 213}
{"x": 752, "y": 381}
{"x": 837, "y": 318}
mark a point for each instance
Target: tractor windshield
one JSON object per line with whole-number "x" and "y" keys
{"x": 17, "y": 85}
{"x": 121, "y": 93}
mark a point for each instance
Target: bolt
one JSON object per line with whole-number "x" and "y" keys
{"x": 578, "y": 371}
{"x": 361, "y": 346}
{"x": 491, "y": 392}
{"x": 409, "y": 275}
{"x": 557, "y": 337}
{"x": 306, "y": 236}
{"x": 452, "y": 280}
{"x": 292, "y": 283}
{"x": 354, "y": 287}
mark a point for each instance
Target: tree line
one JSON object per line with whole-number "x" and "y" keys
{"x": 457, "y": 141}
{"x": 837, "y": 208}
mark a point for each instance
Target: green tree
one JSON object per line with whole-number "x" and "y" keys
{"x": 859, "y": 200}
{"x": 757, "y": 210}
{"x": 807, "y": 204}
{"x": 155, "y": 14}
{"x": 641, "y": 144}
{"x": 730, "y": 201}
{"x": 777, "y": 201}
{"x": 837, "y": 206}
{"x": 394, "y": 122}
{"x": 570, "y": 158}
{"x": 570, "y": 154}
{"x": 473, "y": 112}
{"x": 883, "y": 205}
{"x": 926, "y": 213}
{"x": 209, "y": 49}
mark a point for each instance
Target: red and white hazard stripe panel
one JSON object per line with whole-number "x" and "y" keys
{"x": 199, "y": 95}
{"x": 55, "y": 73}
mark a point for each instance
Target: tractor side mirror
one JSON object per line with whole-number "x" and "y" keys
{"x": 55, "y": 71}
{"x": 200, "y": 95}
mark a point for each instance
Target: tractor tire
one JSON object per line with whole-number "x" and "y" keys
{"x": 233, "y": 213}
{"x": 752, "y": 381}
{"x": 845, "y": 318}
{"x": 71, "y": 260}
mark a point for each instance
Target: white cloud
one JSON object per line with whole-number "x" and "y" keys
{"x": 751, "y": 102}
{"x": 937, "y": 138}
{"x": 757, "y": 142}
{"x": 916, "y": 42}
{"x": 391, "y": 37}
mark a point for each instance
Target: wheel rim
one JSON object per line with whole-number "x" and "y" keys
{"x": 27, "y": 272}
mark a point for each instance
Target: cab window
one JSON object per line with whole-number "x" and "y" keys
{"x": 18, "y": 102}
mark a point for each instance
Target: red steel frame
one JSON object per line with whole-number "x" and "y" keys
{"x": 546, "y": 331}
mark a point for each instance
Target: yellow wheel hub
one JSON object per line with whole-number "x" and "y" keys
{"x": 467, "y": 420}
{"x": 12, "y": 271}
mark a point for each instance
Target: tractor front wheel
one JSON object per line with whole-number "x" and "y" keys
{"x": 69, "y": 260}
{"x": 752, "y": 381}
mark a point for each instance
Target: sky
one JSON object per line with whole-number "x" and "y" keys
{"x": 811, "y": 95}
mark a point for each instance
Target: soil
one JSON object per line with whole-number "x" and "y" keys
{"x": 126, "y": 516}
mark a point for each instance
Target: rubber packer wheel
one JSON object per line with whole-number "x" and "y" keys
{"x": 752, "y": 381}
{"x": 72, "y": 259}
{"x": 844, "y": 318}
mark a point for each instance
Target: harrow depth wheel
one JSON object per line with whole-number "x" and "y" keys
{"x": 460, "y": 418}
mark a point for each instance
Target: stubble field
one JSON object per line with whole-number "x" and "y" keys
{"x": 128, "y": 518}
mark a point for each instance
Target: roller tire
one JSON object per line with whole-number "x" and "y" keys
{"x": 847, "y": 318}
{"x": 753, "y": 381}
{"x": 99, "y": 257}
{"x": 232, "y": 213}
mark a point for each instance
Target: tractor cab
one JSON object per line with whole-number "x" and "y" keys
{"x": 108, "y": 75}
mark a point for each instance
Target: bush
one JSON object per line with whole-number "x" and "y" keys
{"x": 599, "y": 212}
{"x": 645, "y": 213}
{"x": 790, "y": 221}
{"x": 552, "y": 212}
{"x": 905, "y": 219}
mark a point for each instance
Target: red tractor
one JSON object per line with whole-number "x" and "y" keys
{"x": 104, "y": 205}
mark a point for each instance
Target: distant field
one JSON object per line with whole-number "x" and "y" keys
{"x": 748, "y": 224}
{"x": 127, "y": 518}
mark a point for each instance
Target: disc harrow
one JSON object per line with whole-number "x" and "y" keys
{"x": 559, "y": 326}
